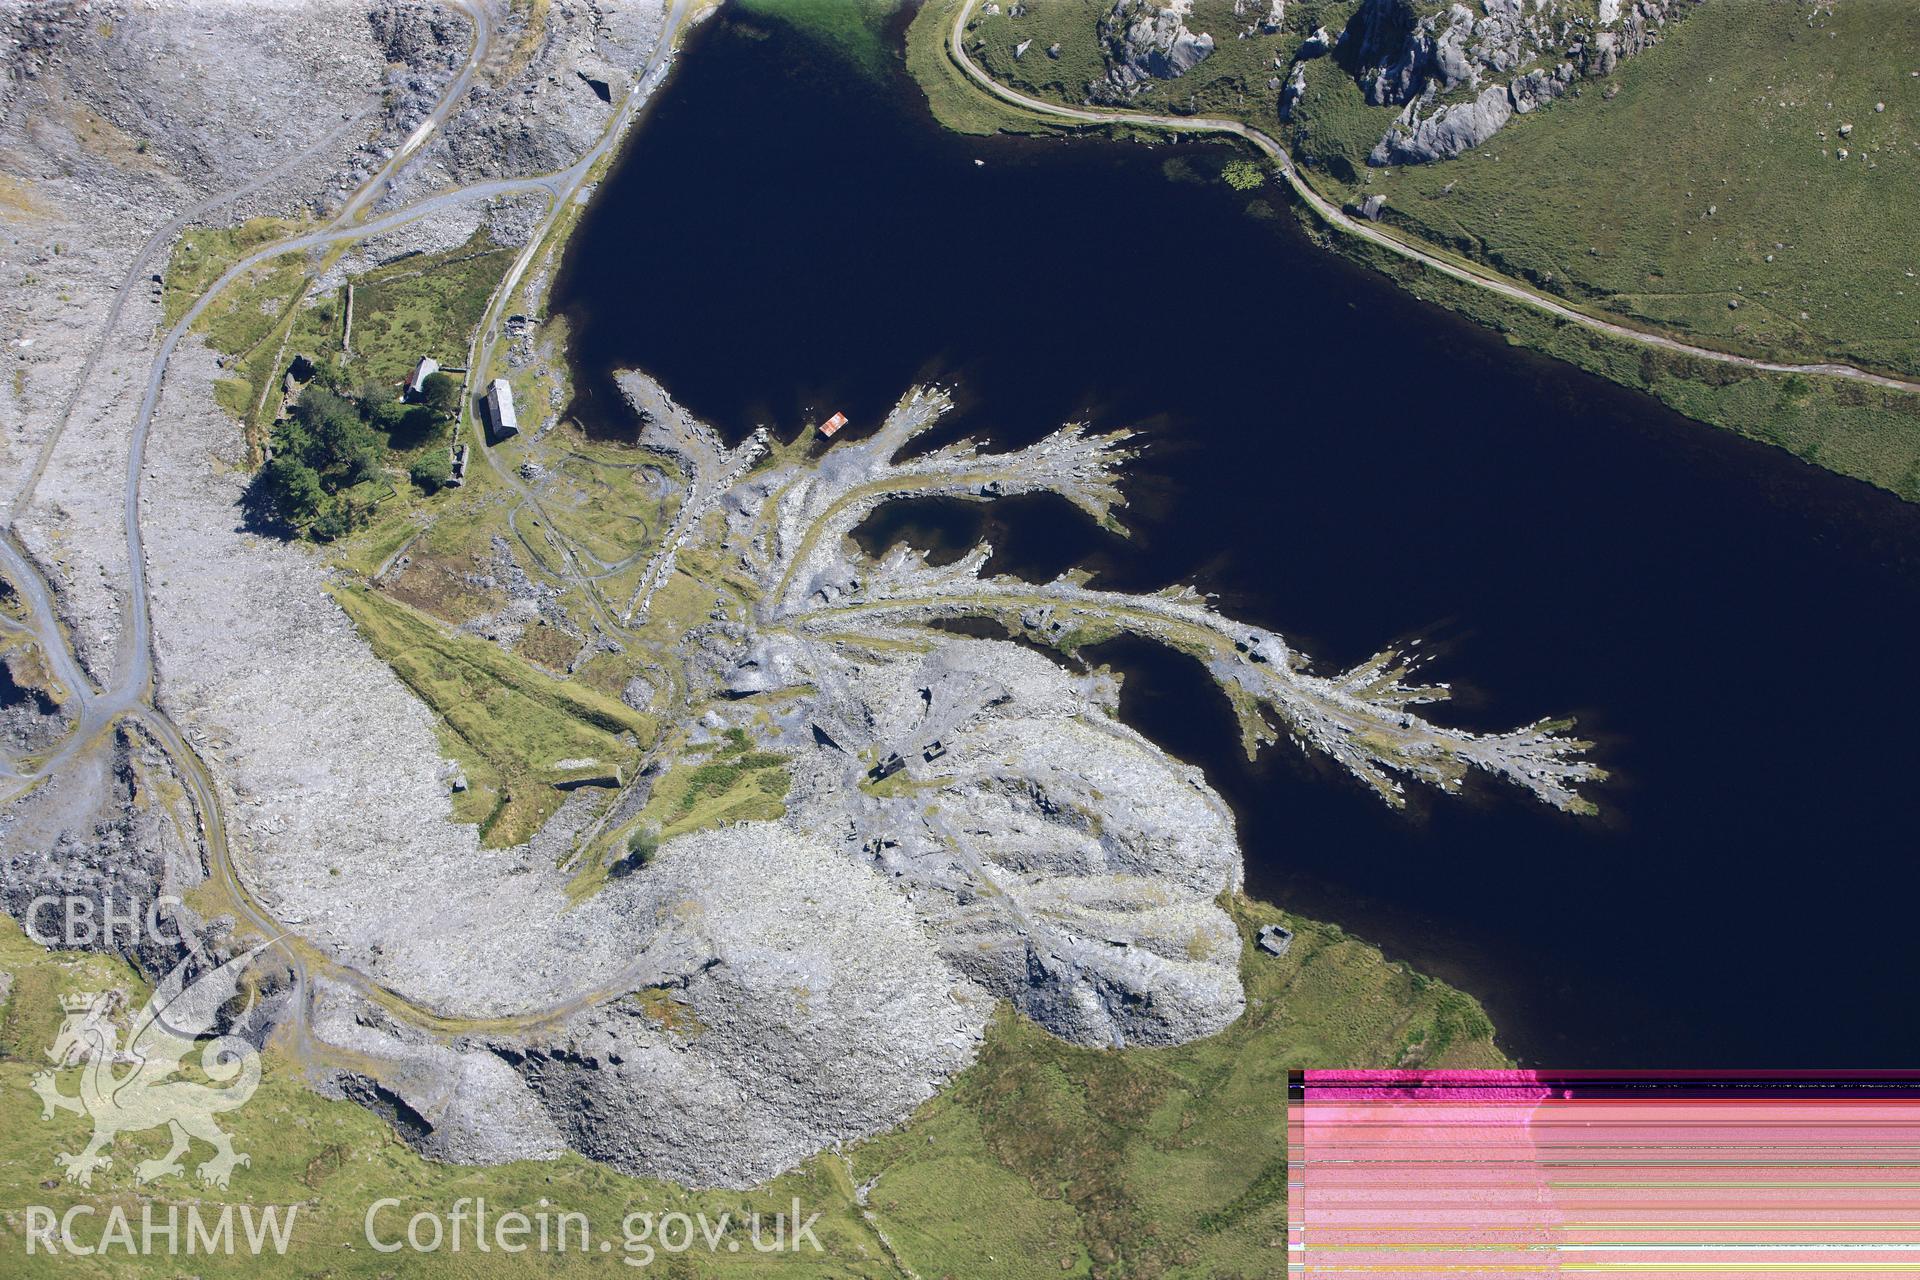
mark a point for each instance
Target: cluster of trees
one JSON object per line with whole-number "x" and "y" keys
{"x": 337, "y": 438}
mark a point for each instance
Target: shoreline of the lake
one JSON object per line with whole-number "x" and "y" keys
{"x": 1341, "y": 389}
{"x": 1789, "y": 404}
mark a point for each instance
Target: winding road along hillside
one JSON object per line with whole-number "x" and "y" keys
{"x": 1334, "y": 216}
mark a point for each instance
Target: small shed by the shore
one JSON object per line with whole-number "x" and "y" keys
{"x": 1275, "y": 939}
{"x": 500, "y": 408}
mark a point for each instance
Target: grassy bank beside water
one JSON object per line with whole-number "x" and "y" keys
{"x": 1698, "y": 192}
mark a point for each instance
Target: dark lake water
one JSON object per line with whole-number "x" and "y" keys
{"x": 787, "y": 236}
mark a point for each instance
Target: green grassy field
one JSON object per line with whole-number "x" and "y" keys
{"x": 1714, "y": 177}
{"x": 246, "y": 324}
{"x": 608, "y": 508}
{"x": 1231, "y": 81}
{"x": 506, "y": 723}
{"x": 426, "y": 305}
{"x": 712, "y": 785}
{"x": 1041, "y": 1160}
{"x": 249, "y": 321}
{"x": 203, "y": 254}
{"x": 731, "y": 782}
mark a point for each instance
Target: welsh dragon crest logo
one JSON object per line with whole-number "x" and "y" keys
{"x": 137, "y": 1087}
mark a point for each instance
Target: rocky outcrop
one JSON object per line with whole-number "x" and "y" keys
{"x": 1296, "y": 89}
{"x": 791, "y": 1002}
{"x": 1445, "y": 133}
{"x": 101, "y": 855}
{"x": 1269, "y": 16}
{"x": 1538, "y": 87}
{"x": 1463, "y": 73}
{"x": 581, "y": 60}
{"x": 1639, "y": 28}
{"x": 1403, "y": 55}
{"x": 1059, "y": 859}
{"x": 416, "y": 34}
{"x": 1147, "y": 40}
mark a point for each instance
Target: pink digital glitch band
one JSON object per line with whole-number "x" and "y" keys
{"x": 1525, "y": 1173}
